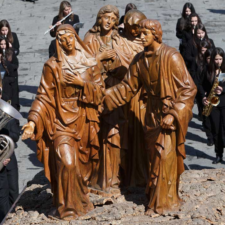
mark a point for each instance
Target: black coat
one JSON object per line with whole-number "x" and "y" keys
{"x": 190, "y": 56}
{"x": 10, "y": 89}
{"x": 52, "y": 48}
{"x": 16, "y": 44}
{"x": 68, "y": 20}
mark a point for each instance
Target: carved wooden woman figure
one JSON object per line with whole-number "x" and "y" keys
{"x": 63, "y": 119}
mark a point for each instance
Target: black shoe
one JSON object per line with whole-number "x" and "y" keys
{"x": 210, "y": 142}
{"x": 218, "y": 159}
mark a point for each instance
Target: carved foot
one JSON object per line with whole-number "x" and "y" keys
{"x": 150, "y": 212}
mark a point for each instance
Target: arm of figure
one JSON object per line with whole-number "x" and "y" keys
{"x": 184, "y": 90}
{"x": 37, "y": 114}
{"x": 6, "y": 162}
{"x": 92, "y": 91}
{"x": 123, "y": 92}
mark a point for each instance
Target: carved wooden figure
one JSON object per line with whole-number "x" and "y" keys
{"x": 113, "y": 55}
{"x": 63, "y": 119}
{"x": 171, "y": 92}
{"x": 137, "y": 162}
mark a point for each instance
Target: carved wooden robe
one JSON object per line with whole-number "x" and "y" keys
{"x": 67, "y": 126}
{"x": 170, "y": 90}
{"x": 114, "y": 126}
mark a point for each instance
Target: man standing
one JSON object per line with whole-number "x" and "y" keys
{"x": 161, "y": 70}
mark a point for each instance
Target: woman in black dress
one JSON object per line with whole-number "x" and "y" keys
{"x": 9, "y": 74}
{"x": 182, "y": 22}
{"x": 65, "y": 9}
{"x": 217, "y": 116}
{"x": 11, "y": 36}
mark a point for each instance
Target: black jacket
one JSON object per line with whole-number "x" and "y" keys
{"x": 16, "y": 44}
{"x": 52, "y": 48}
{"x": 10, "y": 89}
{"x": 68, "y": 20}
{"x": 190, "y": 56}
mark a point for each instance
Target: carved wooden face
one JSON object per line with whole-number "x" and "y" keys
{"x": 67, "y": 42}
{"x": 133, "y": 29}
{"x": 146, "y": 36}
{"x": 108, "y": 21}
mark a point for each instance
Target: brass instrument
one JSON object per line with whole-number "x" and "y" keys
{"x": 7, "y": 112}
{"x": 212, "y": 99}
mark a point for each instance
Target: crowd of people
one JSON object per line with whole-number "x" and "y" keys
{"x": 204, "y": 61}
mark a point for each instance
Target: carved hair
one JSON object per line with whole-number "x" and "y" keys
{"x": 5, "y": 23}
{"x": 155, "y": 27}
{"x": 105, "y": 9}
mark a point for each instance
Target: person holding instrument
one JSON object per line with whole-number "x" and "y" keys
{"x": 63, "y": 119}
{"x": 65, "y": 9}
{"x": 217, "y": 116}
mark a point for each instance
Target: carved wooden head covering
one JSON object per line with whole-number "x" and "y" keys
{"x": 86, "y": 60}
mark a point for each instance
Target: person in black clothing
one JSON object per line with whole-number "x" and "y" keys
{"x": 206, "y": 121}
{"x": 129, "y": 7}
{"x": 9, "y": 188}
{"x": 11, "y": 36}
{"x": 182, "y": 22}
{"x": 217, "y": 116}
{"x": 191, "y": 51}
{"x": 189, "y": 30}
{"x": 9, "y": 73}
{"x": 64, "y": 9}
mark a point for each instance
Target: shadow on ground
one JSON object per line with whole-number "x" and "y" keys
{"x": 218, "y": 11}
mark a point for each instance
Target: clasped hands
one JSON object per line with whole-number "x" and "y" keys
{"x": 106, "y": 52}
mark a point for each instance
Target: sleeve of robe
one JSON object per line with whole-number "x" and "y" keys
{"x": 122, "y": 93}
{"x": 182, "y": 103}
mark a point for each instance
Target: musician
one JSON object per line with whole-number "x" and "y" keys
{"x": 11, "y": 36}
{"x": 217, "y": 116}
{"x": 9, "y": 188}
{"x": 65, "y": 9}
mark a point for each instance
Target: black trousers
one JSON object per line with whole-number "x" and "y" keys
{"x": 208, "y": 127}
{"x": 9, "y": 189}
{"x": 217, "y": 118}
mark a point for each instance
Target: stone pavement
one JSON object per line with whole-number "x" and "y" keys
{"x": 30, "y": 21}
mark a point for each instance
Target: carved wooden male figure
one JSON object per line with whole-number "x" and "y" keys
{"x": 171, "y": 92}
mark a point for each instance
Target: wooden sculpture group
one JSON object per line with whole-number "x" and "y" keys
{"x": 112, "y": 111}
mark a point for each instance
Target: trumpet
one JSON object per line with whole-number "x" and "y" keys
{"x": 59, "y": 21}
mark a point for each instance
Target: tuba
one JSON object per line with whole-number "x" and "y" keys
{"x": 213, "y": 99}
{"x": 7, "y": 112}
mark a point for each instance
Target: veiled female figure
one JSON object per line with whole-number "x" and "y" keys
{"x": 113, "y": 55}
{"x": 137, "y": 162}
{"x": 63, "y": 119}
